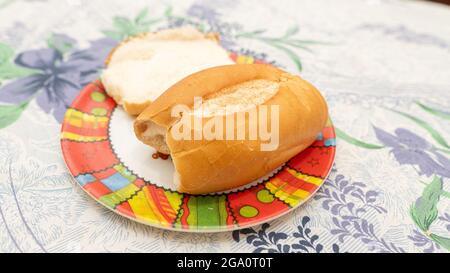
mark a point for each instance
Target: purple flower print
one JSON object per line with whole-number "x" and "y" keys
{"x": 411, "y": 149}
{"x": 422, "y": 241}
{"x": 90, "y": 60}
{"x": 446, "y": 218}
{"x": 264, "y": 240}
{"x": 203, "y": 12}
{"x": 350, "y": 204}
{"x": 57, "y": 79}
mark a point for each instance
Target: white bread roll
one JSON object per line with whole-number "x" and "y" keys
{"x": 142, "y": 67}
{"x": 205, "y": 166}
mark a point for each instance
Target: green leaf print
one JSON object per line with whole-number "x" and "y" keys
{"x": 445, "y": 194}
{"x": 8, "y": 69}
{"x": 424, "y": 210}
{"x": 442, "y": 241}
{"x": 168, "y": 12}
{"x": 142, "y": 15}
{"x": 122, "y": 24}
{"x": 294, "y": 57}
{"x": 125, "y": 27}
{"x": 116, "y": 35}
{"x": 342, "y": 135}
{"x": 433, "y": 111}
{"x": 291, "y": 31}
{"x": 6, "y": 53}
{"x": 10, "y": 113}
{"x": 434, "y": 134}
{"x": 285, "y": 43}
{"x": 4, "y": 3}
{"x": 61, "y": 45}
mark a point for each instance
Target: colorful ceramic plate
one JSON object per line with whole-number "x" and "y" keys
{"x": 113, "y": 167}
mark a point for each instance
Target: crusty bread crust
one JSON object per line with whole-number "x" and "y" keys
{"x": 183, "y": 33}
{"x": 135, "y": 108}
{"x": 209, "y": 166}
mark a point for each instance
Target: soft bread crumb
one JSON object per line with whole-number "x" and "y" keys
{"x": 140, "y": 69}
{"x": 157, "y": 136}
{"x": 240, "y": 96}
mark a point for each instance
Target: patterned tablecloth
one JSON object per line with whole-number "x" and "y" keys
{"x": 384, "y": 67}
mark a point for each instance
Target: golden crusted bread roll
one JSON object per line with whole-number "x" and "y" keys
{"x": 217, "y": 164}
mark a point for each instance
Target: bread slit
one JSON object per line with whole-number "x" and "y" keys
{"x": 236, "y": 98}
{"x": 239, "y": 97}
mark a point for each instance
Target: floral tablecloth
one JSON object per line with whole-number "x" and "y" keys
{"x": 384, "y": 67}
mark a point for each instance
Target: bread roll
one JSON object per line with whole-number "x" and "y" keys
{"x": 212, "y": 165}
{"x": 142, "y": 67}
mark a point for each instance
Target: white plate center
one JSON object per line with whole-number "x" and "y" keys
{"x": 136, "y": 155}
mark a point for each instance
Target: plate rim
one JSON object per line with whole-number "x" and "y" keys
{"x": 180, "y": 228}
